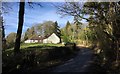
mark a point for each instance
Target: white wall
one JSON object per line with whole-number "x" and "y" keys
{"x": 27, "y": 41}
{"x": 52, "y": 39}
{"x": 45, "y": 41}
{"x": 31, "y": 41}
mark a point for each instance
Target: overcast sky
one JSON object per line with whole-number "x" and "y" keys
{"x": 32, "y": 16}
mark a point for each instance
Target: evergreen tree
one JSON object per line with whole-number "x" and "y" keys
{"x": 57, "y": 29}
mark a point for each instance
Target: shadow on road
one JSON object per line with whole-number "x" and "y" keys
{"x": 79, "y": 63}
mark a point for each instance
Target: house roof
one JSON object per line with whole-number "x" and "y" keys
{"x": 36, "y": 38}
{"x": 40, "y": 37}
{"x": 50, "y": 35}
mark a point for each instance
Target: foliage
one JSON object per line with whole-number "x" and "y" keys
{"x": 65, "y": 38}
{"x": 29, "y": 33}
{"x": 47, "y": 28}
{"x": 66, "y": 32}
{"x": 71, "y": 32}
{"x": 87, "y": 35}
{"x": 103, "y": 29}
{"x": 56, "y": 29}
{"x": 10, "y": 40}
{"x": 36, "y": 57}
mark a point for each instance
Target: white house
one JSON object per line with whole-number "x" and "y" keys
{"x": 53, "y": 38}
{"x": 31, "y": 41}
{"x": 34, "y": 39}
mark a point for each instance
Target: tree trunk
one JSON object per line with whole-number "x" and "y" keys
{"x": 20, "y": 26}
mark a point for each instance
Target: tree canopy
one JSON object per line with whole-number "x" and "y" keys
{"x": 43, "y": 29}
{"x": 103, "y": 29}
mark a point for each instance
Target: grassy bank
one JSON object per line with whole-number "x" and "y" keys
{"x": 26, "y": 45}
{"x": 36, "y": 57}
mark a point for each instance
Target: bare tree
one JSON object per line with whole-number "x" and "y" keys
{"x": 72, "y": 9}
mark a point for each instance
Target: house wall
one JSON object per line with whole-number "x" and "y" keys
{"x": 27, "y": 41}
{"x": 52, "y": 39}
{"x": 35, "y": 41}
{"x": 31, "y": 41}
{"x": 45, "y": 41}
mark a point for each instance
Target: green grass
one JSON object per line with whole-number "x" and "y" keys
{"x": 34, "y": 55}
{"x": 27, "y": 45}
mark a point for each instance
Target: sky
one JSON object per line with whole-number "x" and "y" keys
{"x": 33, "y": 16}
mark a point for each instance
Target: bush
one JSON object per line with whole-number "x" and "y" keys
{"x": 72, "y": 46}
{"x": 10, "y": 45}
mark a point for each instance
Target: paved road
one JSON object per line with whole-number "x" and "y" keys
{"x": 80, "y": 63}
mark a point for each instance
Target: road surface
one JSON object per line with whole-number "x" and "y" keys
{"x": 80, "y": 63}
